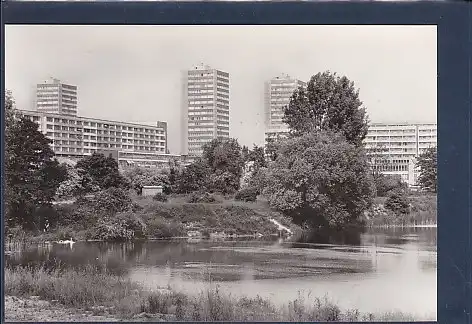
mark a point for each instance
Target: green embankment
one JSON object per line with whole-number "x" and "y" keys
{"x": 228, "y": 216}
{"x": 177, "y": 217}
{"x": 151, "y": 219}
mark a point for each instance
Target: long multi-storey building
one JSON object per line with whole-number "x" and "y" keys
{"x": 395, "y": 147}
{"x": 277, "y": 93}
{"x": 53, "y": 96}
{"x": 74, "y": 137}
{"x": 205, "y": 108}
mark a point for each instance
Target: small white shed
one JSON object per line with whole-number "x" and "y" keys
{"x": 151, "y": 190}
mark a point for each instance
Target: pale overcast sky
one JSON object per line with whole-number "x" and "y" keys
{"x": 132, "y": 73}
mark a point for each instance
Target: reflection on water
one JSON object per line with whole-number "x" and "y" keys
{"x": 374, "y": 271}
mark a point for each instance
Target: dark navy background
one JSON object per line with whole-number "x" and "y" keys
{"x": 454, "y": 99}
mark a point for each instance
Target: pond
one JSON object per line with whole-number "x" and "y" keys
{"x": 375, "y": 271}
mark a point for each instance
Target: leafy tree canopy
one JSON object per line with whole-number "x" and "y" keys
{"x": 73, "y": 186}
{"x": 225, "y": 161}
{"x": 271, "y": 147}
{"x": 112, "y": 200}
{"x": 98, "y": 171}
{"x": 219, "y": 169}
{"x": 194, "y": 177}
{"x": 427, "y": 164}
{"x": 245, "y": 153}
{"x": 32, "y": 174}
{"x": 384, "y": 184}
{"x": 329, "y": 102}
{"x": 398, "y": 202}
{"x": 225, "y": 155}
{"x": 139, "y": 177}
{"x": 257, "y": 156}
{"x": 319, "y": 179}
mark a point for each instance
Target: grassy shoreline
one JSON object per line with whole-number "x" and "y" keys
{"x": 104, "y": 294}
{"x": 153, "y": 220}
{"x": 42, "y": 239}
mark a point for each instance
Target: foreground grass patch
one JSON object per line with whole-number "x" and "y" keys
{"x": 75, "y": 288}
{"x": 91, "y": 288}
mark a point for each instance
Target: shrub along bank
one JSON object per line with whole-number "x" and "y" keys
{"x": 421, "y": 210}
{"x": 113, "y": 216}
{"x": 201, "y": 215}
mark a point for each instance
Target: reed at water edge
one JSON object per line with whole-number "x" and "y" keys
{"x": 96, "y": 288}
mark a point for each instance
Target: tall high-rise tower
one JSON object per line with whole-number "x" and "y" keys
{"x": 278, "y": 91}
{"x": 205, "y": 108}
{"x": 53, "y": 96}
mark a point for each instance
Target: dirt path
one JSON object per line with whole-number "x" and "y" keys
{"x": 34, "y": 310}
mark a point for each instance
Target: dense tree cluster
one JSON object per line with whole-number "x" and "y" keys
{"x": 271, "y": 148}
{"x": 427, "y": 165}
{"x": 220, "y": 169}
{"x": 98, "y": 171}
{"x": 224, "y": 159}
{"x": 320, "y": 179}
{"x": 329, "y": 102}
{"x": 384, "y": 184}
{"x": 398, "y": 202}
{"x": 139, "y": 177}
{"x": 320, "y": 175}
{"x": 73, "y": 185}
{"x": 257, "y": 156}
{"x": 32, "y": 174}
{"x": 193, "y": 177}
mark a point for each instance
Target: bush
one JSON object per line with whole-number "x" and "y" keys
{"x": 112, "y": 201}
{"x": 87, "y": 212}
{"x": 124, "y": 227}
{"x": 160, "y": 197}
{"x": 132, "y": 222}
{"x": 398, "y": 202}
{"x": 78, "y": 215}
{"x": 224, "y": 182}
{"x": 384, "y": 184}
{"x": 248, "y": 194}
{"x": 167, "y": 189}
{"x": 161, "y": 228}
{"x": 112, "y": 232}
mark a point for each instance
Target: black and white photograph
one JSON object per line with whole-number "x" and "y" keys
{"x": 283, "y": 173}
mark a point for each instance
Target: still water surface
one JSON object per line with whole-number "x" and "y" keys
{"x": 375, "y": 271}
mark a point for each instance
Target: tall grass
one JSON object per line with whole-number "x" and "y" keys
{"x": 423, "y": 211}
{"x": 90, "y": 287}
{"x": 75, "y": 288}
